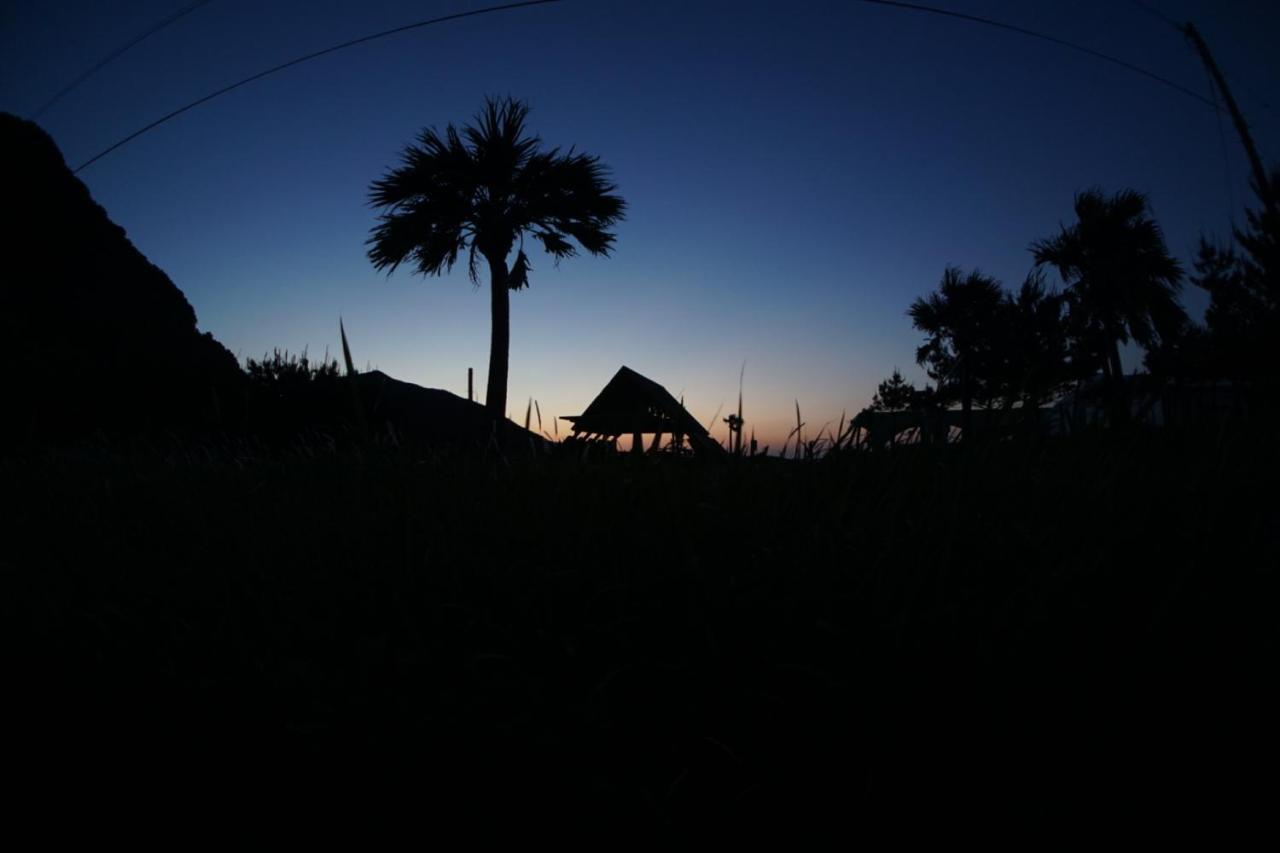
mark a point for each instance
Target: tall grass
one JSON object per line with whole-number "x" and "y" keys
{"x": 1056, "y": 628}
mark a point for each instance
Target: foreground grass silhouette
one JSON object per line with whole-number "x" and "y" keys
{"x": 1058, "y": 632}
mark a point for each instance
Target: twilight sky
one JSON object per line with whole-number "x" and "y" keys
{"x": 796, "y": 173}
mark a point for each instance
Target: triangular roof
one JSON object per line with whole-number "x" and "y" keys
{"x": 632, "y": 403}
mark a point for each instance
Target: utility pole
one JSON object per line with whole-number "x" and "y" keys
{"x": 1246, "y": 138}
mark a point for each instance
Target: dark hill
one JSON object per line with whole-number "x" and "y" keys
{"x": 97, "y": 336}
{"x": 100, "y": 339}
{"x": 284, "y": 413}
{"x": 433, "y": 415}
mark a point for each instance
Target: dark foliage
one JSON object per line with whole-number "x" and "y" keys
{"x": 291, "y": 400}
{"x": 294, "y": 405}
{"x": 896, "y": 394}
{"x": 1243, "y": 319}
{"x": 1031, "y": 362}
{"x": 281, "y": 372}
{"x": 1122, "y": 283}
{"x": 960, "y": 319}
{"x": 1056, "y": 634}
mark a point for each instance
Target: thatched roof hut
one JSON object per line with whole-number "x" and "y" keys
{"x": 636, "y": 405}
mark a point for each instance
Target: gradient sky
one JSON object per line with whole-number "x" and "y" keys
{"x": 796, "y": 173}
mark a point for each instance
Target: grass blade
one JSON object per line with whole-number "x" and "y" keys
{"x": 346, "y": 349}
{"x": 361, "y": 421}
{"x": 712, "y": 423}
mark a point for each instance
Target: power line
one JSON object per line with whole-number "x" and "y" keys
{"x": 115, "y": 54}
{"x": 976, "y": 19}
{"x": 353, "y": 42}
{"x": 1262, "y": 101}
{"x": 915, "y": 7}
{"x": 1156, "y": 13}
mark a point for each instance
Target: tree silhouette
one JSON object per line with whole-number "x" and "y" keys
{"x": 959, "y": 319}
{"x": 482, "y": 190}
{"x": 1122, "y": 283}
{"x": 894, "y": 394}
{"x": 1243, "y": 318}
{"x": 1031, "y": 345}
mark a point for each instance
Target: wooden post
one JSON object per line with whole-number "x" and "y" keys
{"x": 471, "y": 390}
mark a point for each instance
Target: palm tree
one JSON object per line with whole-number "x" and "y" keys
{"x": 482, "y": 190}
{"x": 1122, "y": 284}
{"x": 959, "y": 319}
{"x": 1031, "y": 358}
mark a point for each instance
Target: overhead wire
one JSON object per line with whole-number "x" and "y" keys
{"x": 897, "y": 4}
{"x": 297, "y": 61}
{"x": 1156, "y": 13}
{"x": 1182, "y": 30}
{"x": 116, "y": 54}
{"x": 1096, "y": 54}
{"x": 1262, "y": 100}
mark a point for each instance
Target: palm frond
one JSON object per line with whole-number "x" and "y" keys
{"x": 518, "y": 277}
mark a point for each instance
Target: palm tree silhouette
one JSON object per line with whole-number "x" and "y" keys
{"x": 1122, "y": 284}
{"x": 959, "y": 319}
{"x": 482, "y": 190}
{"x": 1031, "y": 358}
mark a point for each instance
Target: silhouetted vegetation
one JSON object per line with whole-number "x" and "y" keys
{"x": 1242, "y": 322}
{"x": 1032, "y": 361}
{"x": 895, "y": 394}
{"x": 1122, "y": 283}
{"x": 341, "y": 575}
{"x": 1020, "y": 352}
{"x": 1066, "y": 632}
{"x": 959, "y": 320}
{"x": 482, "y": 190}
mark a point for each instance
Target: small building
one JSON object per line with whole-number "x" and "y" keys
{"x": 1155, "y": 403}
{"x": 873, "y": 430}
{"x": 635, "y": 405}
{"x": 1152, "y": 403}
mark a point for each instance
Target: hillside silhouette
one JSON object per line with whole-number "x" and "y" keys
{"x": 106, "y": 343}
{"x": 100, "y": 338}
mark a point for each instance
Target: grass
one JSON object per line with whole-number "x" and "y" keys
{"x": 1048, "y": 631}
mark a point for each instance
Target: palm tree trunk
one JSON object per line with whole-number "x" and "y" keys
{"x": 1117, "y": 370}
{"x": 966, "y": 405}
{"x": 1119, "y": 405}
{"x": 495, "y": 397}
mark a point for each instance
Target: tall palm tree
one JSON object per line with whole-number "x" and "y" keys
{"x": 482, "y": 190}
{"x": 1122, "y": 283}
{"x": 959, "y": 320}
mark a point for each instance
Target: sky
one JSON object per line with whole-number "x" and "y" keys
{"x": 796, "y": 174}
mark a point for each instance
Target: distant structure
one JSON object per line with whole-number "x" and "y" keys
{"x": 873, "y": 430}
{"x": 1156, "y": 403}
{"x": 1152, "y": 404}
{"x": 635, "y": 405}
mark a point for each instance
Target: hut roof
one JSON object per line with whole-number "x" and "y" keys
{"x": 632, "y": 403}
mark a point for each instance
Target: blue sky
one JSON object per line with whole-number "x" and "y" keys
{"x": 796, "y": 174}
